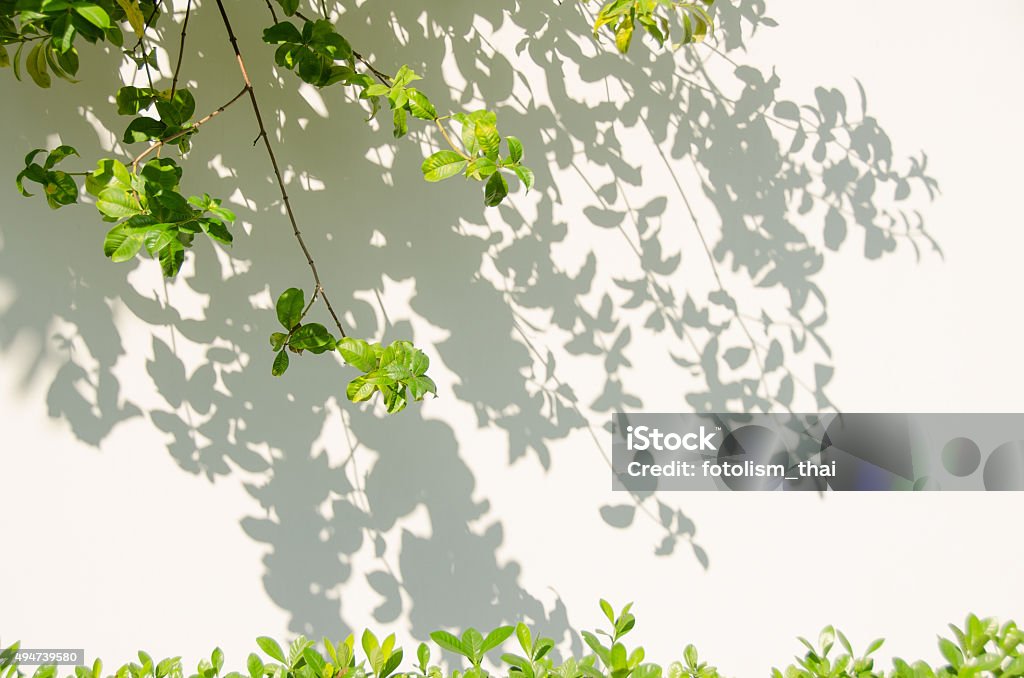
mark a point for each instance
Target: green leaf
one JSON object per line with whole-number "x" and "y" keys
{"x": 36, "y": 66}
{"x": 113, "y": 34}
{"x": 58, "y": 154}
{"x": 496, "y": 190}
{"x": 171, "y": 258}
{"x": 60, "y": 190}
{"x": 289, "y": 312}
{"x": 595, "y": 645}
{"x": 359, "y": 390}
{"x": 32, "y": 172}
{"x": 178, "y": 109}
{"x": 284, "y": 32}
{"x": 109, "y": 173}
{"x": 449, "y": 642}
{"x": 289, "y": 7}
{"x": 313, "y": 337}
{"x": 279, "y": 368}
{"x": 390, "y": 664}
{"x": 160, "y": 175}
{"x": 421, "y": 386}
{"x": 312, "y": 66}
{"x": 525, "y": 175}
{"x": 481, "y": 168}
{"x": 122, "y": 243}
{"x": 133, "y": 14}
{"x": 472, "y": 643}
{"x": 217, "y": 231}
{"x": 624, "y": 34}
{"x": 515, "y": 148}
{"x": 524, "y": 637}
{"x": 255, "y": 664}
{"x": 420, "y": 105}
{"x": 94, "y": 14}
{"x": 269, "y": 645}
{"x": 314, "y": 660}
{"x": 117, "y": 203}
{"x": 394, "y": 398}
{"x": 68, "y": 61}
{"x": 143, "y": 128}
{"x": 487, "y": 137}
{"x": 401, "y": 123}
{"x": 404, "y": 76}
{"x": 278, "y": 340}
{"x": 131, "y": 100}
{"x": 358, "y": 354}
{"x": 610, "y": 12}
{"x": 442, "y": 165}
{"x": 418, "y": 362}
{"x": 495, "y": 637}
{"x": 63, "y": 32}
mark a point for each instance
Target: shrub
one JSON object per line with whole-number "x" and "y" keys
{"x": 981, "y": 648}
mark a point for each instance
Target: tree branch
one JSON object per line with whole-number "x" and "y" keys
{"x": 444, "y": 133}
{"x": 383, "y": 77}
{"x": 277, "y": 170}
{"x": 181, "y": 48}
{"x": 163, "y": 142}
{"x": 273, "y": 14}
{"x": 149, "y": 22}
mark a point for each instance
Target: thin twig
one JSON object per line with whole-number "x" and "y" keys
{"x": 444, "y": 133}
{"x": 142, "y": 42}
{"x": 383, "y": 77}
{"x": 277, "y": 170}
{"x": 149, "y": 22}
{"x": 273, "y": 14}
{"x": 163, "y": 142}
{"x": 181, "y": 49}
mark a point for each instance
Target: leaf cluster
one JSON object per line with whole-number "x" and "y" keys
{"x": 149, "y": 212}
{"x": 981, "y": 649}
{"x": 622, "y": 17}
{"x": 397, "y": 371}
{"x": 174, "y": 109}
{"x": 480, "y": 158}
{"x": 48, "y": 29}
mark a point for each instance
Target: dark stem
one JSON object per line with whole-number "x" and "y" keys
{"x": 273, "y": 14}
{"x": 142, "y": 42}
{"x": 277, "y": 170}
{"x": 383, "y": 77}
{"x": 181, "y": 48}
{"x": 149, "y": 22}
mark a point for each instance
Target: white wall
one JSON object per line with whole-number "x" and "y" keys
{"x": 120, "y": 539}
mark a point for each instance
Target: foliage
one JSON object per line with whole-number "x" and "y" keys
{"x": 981, "y": 649}
{"x": 621, "y": 17}
{"x": 144, "y": 200}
